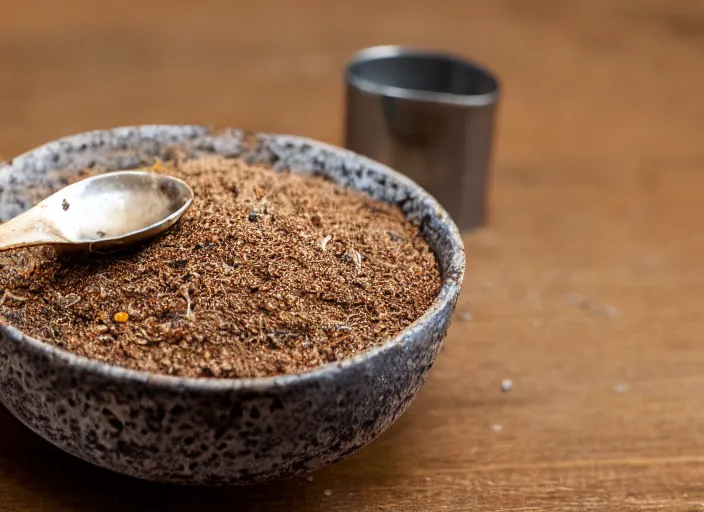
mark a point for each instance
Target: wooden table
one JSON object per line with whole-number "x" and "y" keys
{"x": 586, "y": 290}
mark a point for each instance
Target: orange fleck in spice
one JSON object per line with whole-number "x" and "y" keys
{"x": 157, "y": 166}
{"x": 121, "y": 317}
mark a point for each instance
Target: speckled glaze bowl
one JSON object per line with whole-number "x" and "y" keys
{"x": 229, "y": 431}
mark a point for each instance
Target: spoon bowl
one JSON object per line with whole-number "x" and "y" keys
{"x": 102, "y": 213}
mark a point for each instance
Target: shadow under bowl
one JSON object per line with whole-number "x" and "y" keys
{"x": 220, "y": 431}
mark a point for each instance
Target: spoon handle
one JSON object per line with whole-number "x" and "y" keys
{"x": 28, "y": 229}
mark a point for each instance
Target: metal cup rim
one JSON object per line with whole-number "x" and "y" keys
{"x": 390, "y": 51}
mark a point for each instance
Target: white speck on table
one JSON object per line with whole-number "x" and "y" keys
{"x": 506, "y": 385}
{"x": 621, "y": 388}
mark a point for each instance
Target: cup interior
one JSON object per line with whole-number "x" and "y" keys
{"x": 421, "y": 71}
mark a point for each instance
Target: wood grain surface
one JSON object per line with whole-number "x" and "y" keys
{"x": 586, "y": 290}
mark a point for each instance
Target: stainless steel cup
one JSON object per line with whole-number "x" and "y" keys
{"x": 429, "y": 115}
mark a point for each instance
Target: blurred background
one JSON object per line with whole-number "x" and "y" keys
{"x": 585, "y": 289}
{"x": 76, "y": 64}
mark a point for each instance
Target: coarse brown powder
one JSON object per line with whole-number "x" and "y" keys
{"x": 268, "y": 273}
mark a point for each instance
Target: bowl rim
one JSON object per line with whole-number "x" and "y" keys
{"x": 448, "y": 293}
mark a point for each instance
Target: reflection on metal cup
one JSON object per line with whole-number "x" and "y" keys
{"x": 429, "y": 115}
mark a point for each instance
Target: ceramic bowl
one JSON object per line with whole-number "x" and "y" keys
{"x": 228, "y": 431}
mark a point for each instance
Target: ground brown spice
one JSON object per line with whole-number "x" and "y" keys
{"x": 267, "y": 273}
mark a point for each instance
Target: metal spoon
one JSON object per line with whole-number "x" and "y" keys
{"x": 103, "y": 213}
